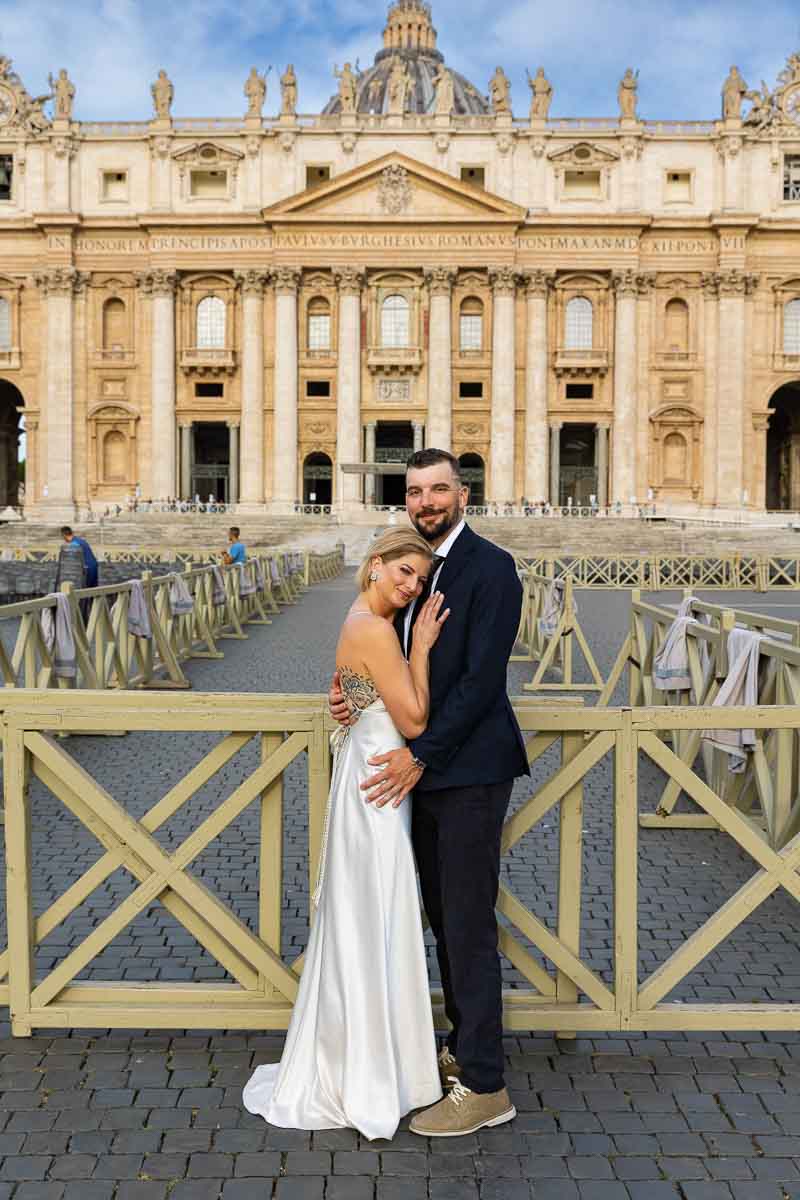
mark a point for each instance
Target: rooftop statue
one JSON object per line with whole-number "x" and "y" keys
{"x": 764, "y": 110}
{"x": 734, "y": 91}
{"x": 255, "y": 90}
{"x": 63, "y": 90}
{"x": 444, "y": 92}
{"x": 347, "y": 87}
{"x": 397, "y": 89}
{"x": 500, "y": 92}
{"x": 288, "y": 92}
{"x": 163, "y": 94}
{"x": 541, "y": 95}
{"x": 627, "y": 94}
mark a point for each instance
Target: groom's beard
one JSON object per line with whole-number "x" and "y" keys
{"x": 435, "y": 530}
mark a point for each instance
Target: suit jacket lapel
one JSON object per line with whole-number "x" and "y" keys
{"x": 457, "y": 559}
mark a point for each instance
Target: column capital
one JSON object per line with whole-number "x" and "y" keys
{"x": 709, "y": 282}
{"x": 503, "y": 280}
{"x": 737, "y": 283}
{"x": 349, "y": 279}
{"x": 626, "y": 284}
{"x": 556, "y": 426}
{"x": 61, "y": 281}
{"x": 538, "y": 283}
{"x": 251, "y": 281}
{"x": 370, "y": 425}
{"x": 286, "y": 279}
{"x": 440, "y": 279}
{"x": 157, "y": 282}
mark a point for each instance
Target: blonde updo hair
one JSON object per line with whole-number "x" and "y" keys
{"x": 393, "y": 544}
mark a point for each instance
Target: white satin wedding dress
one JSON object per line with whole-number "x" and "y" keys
{"x": 360, "y": 1051}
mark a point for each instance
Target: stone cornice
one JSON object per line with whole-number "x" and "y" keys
{"x": 440, "y": 280}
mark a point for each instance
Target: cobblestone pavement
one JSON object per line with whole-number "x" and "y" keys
{"x": 142, "y": 1115}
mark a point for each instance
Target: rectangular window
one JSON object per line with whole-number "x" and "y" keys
{"x": 115, "y": 185}
{"x": 5, "y": 325}
{"x": 471, "y": 332}
{"x": 208, "y": 390}
{"x": 316, "y": 175}
{"x": 474, "y": 175}
{"x": 318, "y": 388}
{"x": 470, "y": 389}
{"x": 580, "y": 391}
{"x": 791, "y": 177}
{"x": 582, "y": 185}
{"x": 6, "y": 175}
{"x": 678, "y": 187}
{"x": 208, "y": 185}
{"x": 319, "y": 331}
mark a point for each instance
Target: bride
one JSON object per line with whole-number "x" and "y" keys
{"x": 360, "y": 1051}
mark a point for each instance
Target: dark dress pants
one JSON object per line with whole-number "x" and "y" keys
{"x": 457, "y": 834}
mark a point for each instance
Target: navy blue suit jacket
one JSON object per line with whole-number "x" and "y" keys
{"x": 472, "y": 735}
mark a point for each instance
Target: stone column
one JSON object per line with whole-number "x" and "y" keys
{"x": 58, "y": 287}
{"x": 80, "y": 407}
{"x": 440, "y": 357}
{"x": 419, "y": 435}
{"x": 504, "y": 284}
{"x": 555, "y": 465}
{"x": 252, "y": 283}
{"x": 186, "y": 462}
{"x": 284, "y": 432}
{"x": 160, "y": 286}
{"x": 233, "y": 459}
{"x": 538, "y": 285}
{"x": 602, "y": 466}
{"x": 623, "y": 484}
{"x": 348, "y": 402}
{"x": 369, "y": 456}
{"x": 710, "y": 284}
{"x": 734, "y": 287}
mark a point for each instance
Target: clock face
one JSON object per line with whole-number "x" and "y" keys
{"x": 791, "y": 104}
{"x": 7, "y": 105}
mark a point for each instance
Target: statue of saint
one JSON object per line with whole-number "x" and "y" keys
{"x": 734, "y": 91}
{"x": 764, "y": 107}
{"x": 347, "y": 87}
{"x": 255, "y": 90}
{"x": 397, "y": 88}
{"x": 627, "y": 94}
{"x": 374, "y": 95}
{"x": 63, "y": 90}
{"x": 163, "y": 94}
{"x": 541, "y": 95}
{"x": 444, "y": 92}
{"x": 500, "y": 92}
{"x": 288, "y": 92}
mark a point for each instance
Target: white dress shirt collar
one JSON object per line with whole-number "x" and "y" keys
{"x": 448, "y": 543}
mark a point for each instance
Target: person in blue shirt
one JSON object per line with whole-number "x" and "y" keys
{"x": 236, "y": 552}
{"x": 89, "y": 560}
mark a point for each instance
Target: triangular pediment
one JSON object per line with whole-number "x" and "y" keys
{"x": 399, "y": 189}
{"x": 207, "y": 154}
{"x": 583, "y": 154}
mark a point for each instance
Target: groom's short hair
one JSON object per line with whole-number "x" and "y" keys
{"x": 430, "y": 458}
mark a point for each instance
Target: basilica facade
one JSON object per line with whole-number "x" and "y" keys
{"x": 276, "y": 309}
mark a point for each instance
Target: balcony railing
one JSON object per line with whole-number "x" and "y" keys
{"x": 123, "y": 357}
{"x": 207, "y": 361}
{"x": 588, "y": 362}
{"x": 398, "y": 360}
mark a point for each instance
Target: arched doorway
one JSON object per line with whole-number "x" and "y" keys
{"x": 317, "y": 479}
{"x": 783, "y": 449}
{"x": 473, "y": 474}
{"x": 12, "y": 429}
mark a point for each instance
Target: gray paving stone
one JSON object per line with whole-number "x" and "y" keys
{"x": 40, "y": 1191}
{"x": 401, "y": 1189}
{"x": 310, "y": 1188}
{"x": 349, "y": 1187}
{"x": 366, "y": 1162}
{"x": 142, "y": 1190}
{"x": 210, "y": 1166}
{"x": 25, "y": 1166}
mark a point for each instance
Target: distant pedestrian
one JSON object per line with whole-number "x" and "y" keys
{"x": 237, "y": 551}
{"x": 68, "y": 563}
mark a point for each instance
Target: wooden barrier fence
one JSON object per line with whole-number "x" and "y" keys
{"x": 663, "y": 572}
{"x": 549, "y": 630}
{"x": 560, "y": 987}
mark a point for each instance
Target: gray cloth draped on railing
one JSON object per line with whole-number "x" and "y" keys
{"x": 218, "y": 596}
{"x": 671, "y": 663}
{"x": 553, "y": 608}
{"x": 58, "y": 636}
{"x": 138, "y": 612}
{"x": 739, "y": 688}
{"x": 275, "y": 575}
{"x": 260, "y": 585}
{"x": 246, "y": 585}
{"x": 180, "y": 598}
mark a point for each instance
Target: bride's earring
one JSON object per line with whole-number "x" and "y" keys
{"x": 374, "y": 576}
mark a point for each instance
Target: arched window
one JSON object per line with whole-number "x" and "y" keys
{"x": 115, "y": 455}
{"x": 471, "y": 324}
{"x": 211, "y": 323}
{"x": 317, "y": 479}
{"x": 319, "y": 324}
{"x": 395, "y": 323}
{"x": 676, "y": 459}
{"x": 114, "y": 325}
{"x": 676, "y": 327}
{"x": 580, "y": 316}
{"x": 5, "y": 324}
{"x": 791, "y": 327}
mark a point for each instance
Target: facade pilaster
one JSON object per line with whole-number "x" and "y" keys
{"x": 710, "y": 285}
{"x": 186, "y": 462}
{"x": 284, "y": 432}
{"x": 348, "y": 420}
{"x": 555, "y": 465}
{"x": 734, "y": 288}
{"x": 418, "y": 430}
{"x": 440, "y": 357}
{"x": 538, "y": 285}
{"x": 602, "y": 466}
{"x": 80, "y": 444}
{"x": 623, "y": 484}
{"x": 369, "y": 455}
{"x": 160, "y": 287}
{"x": 251, "y": 283}
{"x": 504, "y": 285}
{"x": 644, "y": 321}
{"x": 233, "y": 459}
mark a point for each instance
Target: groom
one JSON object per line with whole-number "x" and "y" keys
{"x": 461, "y": 771}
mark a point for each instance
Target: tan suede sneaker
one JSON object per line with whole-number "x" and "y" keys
{"x": 449, "y": 1070}
{"x": 463, "y": 1111}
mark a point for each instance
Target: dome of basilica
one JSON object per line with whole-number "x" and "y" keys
{"x": 409, "y": 42}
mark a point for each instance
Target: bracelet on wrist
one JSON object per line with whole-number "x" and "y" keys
{"x": 418, "y": 763}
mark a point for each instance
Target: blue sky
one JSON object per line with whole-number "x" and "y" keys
{"x": 114, "y": 48}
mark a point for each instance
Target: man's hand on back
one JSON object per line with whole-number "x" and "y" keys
{"x": 338, "y": 704}
{"x": 398, "y": 777}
